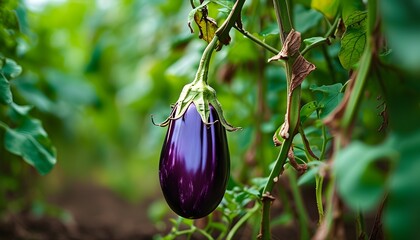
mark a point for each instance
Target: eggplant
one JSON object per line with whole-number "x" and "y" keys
{"x": 194, "y": 164}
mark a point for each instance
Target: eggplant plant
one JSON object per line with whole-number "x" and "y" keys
{"x": 322, "y": 138}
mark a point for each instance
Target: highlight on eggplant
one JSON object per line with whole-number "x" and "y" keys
{"x": 194, "y": 164}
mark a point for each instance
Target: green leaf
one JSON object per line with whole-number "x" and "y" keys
{"x": 10, "y": 69}
{"x": 5, "y": 93}
{"x": 30, "y": 141}
{"x": 328, "y": 97}
{"x": 309, "y": 176}
{"x": 305, "y": 18}
{"x": 360, "y": 180}
{"x": 307, "y": 110}
{"x": 350, "y": 6}
{"x": 354, "y": 40}
{"x": 401, "y": 28}
{"x": 327, "y": 7}
{"x": 313, "y": 40}
{"x": 404, "y": 192}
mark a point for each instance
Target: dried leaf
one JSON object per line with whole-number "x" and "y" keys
{"x": 206, "y": 25}
{"x": 301, "y": 68}
{"x": 290, "y": 47}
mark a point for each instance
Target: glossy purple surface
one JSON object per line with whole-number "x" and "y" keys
{"x": 194, "y": 164}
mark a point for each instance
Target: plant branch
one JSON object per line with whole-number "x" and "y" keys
{"x": 326, "y": 39}
{"x": 256, "y": 40}
{"x": 301, "y": 211}
{"x": 234, "y": 16}
{"x": 202, "y": 71}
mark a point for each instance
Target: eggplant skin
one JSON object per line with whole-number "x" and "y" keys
{"x": 194, "y": 164}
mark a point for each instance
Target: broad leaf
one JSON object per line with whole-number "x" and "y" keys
{"x": 360, "y": 180}
{"x": 8, "y": 69}
{"x": 5, "y": 93}
{"x": 206, "y": 25}
{"x": 307, "y": 110}
{"x": 328, "y": 97}
{"x": 401, "y": 28}
{"x": 327, "y": 7}
{"x": 11, "y": 69}
{"x": 354, "y": 40}
{"x": 30, "y": 141}
{"x": 313, "y": 40}
{"x": 305, "y": 18}
{"x": 402, "y": 211}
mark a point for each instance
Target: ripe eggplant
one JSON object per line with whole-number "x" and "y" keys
{"x": 194, "y": 164}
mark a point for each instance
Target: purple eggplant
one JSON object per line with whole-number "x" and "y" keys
{"x": 194, "y": 164}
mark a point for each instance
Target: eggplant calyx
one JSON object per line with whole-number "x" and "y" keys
{"x": 202, "y": 95}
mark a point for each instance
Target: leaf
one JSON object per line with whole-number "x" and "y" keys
{"x": 360, "y": 180}
{"x": 307, "y": 110}
{"x": 5, "y": 93}
{"x": 354, "y": 40}
{"x": 313, "y": 40}
{"x": 191, "y": 14}
{"x": 327, "y": 7}
{"x": 401, "y": 28}
{"x": 304, "y": 18}
{"x": 30, "y": 141}
{"x": 328, "y": 97}
{"x": 404, "y": 191}
{"x": 290, "y": 46}
{"x": 8, "y": 69}
{"x": 300, "y": 70}
{"x": 206, "y": 25}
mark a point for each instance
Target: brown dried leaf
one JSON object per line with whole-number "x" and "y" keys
{"x": 300, "y": 69}
{"x": 290, "y": 47}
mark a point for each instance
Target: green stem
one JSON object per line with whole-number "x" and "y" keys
{"x": 243, "y": 220}
{"x": 4, "y": 125}
{"x": 203, "y": 67}
{"x": 360, "y": 226}
{"x": 363, "y": 71}
{"x": 356, "y": 94}
{"x": 302, "y": 213}
{"x": 256, "y": 40}
{"x": 326, "y": 40}
{"x": 234, "y": 16}
{"x": 319, "y": 180}
{"x": 292, "y": 118}
{"x": 283, "y": 18}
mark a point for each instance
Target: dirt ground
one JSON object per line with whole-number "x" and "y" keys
{"x": 97, "y": 213}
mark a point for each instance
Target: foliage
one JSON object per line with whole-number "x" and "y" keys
{"x": 94, "y": 71}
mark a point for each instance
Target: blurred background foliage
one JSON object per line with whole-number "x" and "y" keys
{"x": 96, "y": 70}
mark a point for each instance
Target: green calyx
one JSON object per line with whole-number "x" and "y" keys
{"x": 201, "y": 94}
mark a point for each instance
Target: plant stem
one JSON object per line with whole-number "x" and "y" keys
{"x": 292, "y": 117}
{"x": 256, "y": 40}
{"x": 363, "y": 71}
{"x": 360, "y": 226}
{"x": 283, "y": 18}
{"x": 3, "y": 125}
{"x": 319, "y": 180}
{"x": 203, "y": 67}
{"x": 326, "y": 40}
{"x": 234, "y": 16}
{"x": 302, "y": 214}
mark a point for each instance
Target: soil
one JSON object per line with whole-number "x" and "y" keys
{"x": 96, "y": 213}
